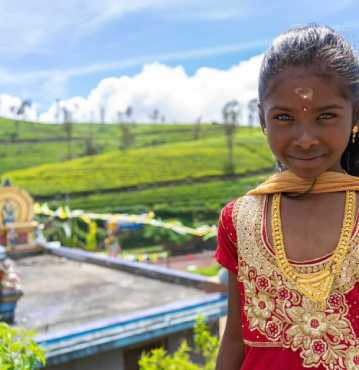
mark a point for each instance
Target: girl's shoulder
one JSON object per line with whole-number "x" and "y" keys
{"x": 226, "y": 224}
{"x": 227, "y": 211}
{"x": 239, "y": 208}
{"x": 245, "y": 201}
{"x": 235, "y": 211}
{"x": 246, "y": 206}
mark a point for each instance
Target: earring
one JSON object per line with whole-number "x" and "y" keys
{"x": 354, "y": 133}
{"x": 280, "y": 166}
{"x": 265, "y": 131}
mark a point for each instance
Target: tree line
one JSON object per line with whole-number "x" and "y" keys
{"x": 232, "y": 112}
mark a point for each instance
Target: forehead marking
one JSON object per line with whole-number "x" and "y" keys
{"x": 306, "y": 93}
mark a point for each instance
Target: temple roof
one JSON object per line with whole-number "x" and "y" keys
{"x": 61, "y": 293}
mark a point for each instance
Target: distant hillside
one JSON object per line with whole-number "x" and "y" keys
{"x": 26, "y": 144}
{"x": 137, "y": 168}
{"x": 166, "y": 170}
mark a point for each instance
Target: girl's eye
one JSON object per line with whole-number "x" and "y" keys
{"x": 283, "y": 117}
{"x": 327, "y": 115}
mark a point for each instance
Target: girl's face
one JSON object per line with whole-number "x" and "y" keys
{"x": 308, "y": 120}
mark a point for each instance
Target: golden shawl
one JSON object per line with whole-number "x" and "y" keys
{"x": 288, "y": 182}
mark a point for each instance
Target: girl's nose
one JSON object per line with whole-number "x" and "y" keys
{"x": 306, "y": 139}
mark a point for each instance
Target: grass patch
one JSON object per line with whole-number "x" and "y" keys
{"x": 209, "y": 271}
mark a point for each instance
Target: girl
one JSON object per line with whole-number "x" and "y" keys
{"x": 292, "y": 244}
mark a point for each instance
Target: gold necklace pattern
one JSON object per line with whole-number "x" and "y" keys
{"x": 317, "y": 285}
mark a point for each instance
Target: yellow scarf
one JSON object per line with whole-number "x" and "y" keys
{"x": 288, "y": 182}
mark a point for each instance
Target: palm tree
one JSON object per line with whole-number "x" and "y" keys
{"x": 155, "y": 115}
{"x": 27, "y": 103}
{"x": 68, "y": 127}
{"x": 197, "y": 128}
{"x": 102, "y": 114}
{"x": 58, "y": 110}
{"x": 19, "y": 111}
{"x": 127, "y": 137}
{"x": 252, "y": 112}
{"x": 129, "y": 113}
{"x": 230, "y": 114}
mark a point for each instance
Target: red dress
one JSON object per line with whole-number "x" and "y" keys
{"x": 282, "y": 329}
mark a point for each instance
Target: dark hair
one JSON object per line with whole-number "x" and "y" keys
{"x": 321, "y": 48}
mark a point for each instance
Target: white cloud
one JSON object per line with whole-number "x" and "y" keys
{"x": 79, "y": 110}
{"x": 48, "y": 84}
{"x": 62, "y": 75}
{"x": 178, "y": 96}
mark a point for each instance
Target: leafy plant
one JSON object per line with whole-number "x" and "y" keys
{"x": 18, "y": 350}
{"x": 166, "y": 236}
{"x": 206, "y": 345}
{"x": 211, "y": 270}
{"x": 185, "y": 202}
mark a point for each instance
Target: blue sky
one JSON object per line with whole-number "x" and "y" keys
{"x": 65, "y": 50}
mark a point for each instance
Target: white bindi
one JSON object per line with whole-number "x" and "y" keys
{"x": 305, "y": 94}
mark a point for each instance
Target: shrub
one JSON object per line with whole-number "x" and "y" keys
{"x": 206, "y": 345}
{"x": 18, "y": 350}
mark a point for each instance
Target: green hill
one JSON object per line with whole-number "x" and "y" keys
{"x": 166, "y": 169}
{"x": 161, "y": 165}
{"x": 26, "y": 144}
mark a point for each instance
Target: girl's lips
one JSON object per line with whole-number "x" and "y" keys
{"x": 306, "y": 158}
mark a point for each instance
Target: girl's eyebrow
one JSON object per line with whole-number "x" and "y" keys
{"x": 325, "y": 107}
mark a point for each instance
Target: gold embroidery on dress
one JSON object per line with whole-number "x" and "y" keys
{"x": 261, "y": 344}
{"x": 285, "y": 317}
{"x": 252, "y": 206}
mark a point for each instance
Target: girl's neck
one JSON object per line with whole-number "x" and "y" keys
{"x": 313, "y": 179}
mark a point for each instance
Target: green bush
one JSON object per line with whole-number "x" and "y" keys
{"x": 211, "y": 270}
{"x": 199, "y": 202}
{"x": 18, "y": 351}
{"x": 206, "y": 345}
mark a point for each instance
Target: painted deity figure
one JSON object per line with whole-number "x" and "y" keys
{"x": 8, "y": 213}
{"x": 9, "y": 278}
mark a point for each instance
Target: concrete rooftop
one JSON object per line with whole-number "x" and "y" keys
{"x": 61, "y": 293}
